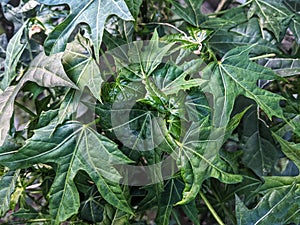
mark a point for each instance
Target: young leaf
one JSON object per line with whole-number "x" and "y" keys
{"x": 93, "y": 13}
{"x": 7, "y": 186}
{"x": 236, "y": 75}
{"x": 73, "y": 147}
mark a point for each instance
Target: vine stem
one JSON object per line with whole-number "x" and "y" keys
{"x": 211, "y": 209}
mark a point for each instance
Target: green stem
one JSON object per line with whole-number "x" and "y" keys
{"x": 25, "y": 109}
{"x": 211, "y": 209}
{"x": 263, "y": 56}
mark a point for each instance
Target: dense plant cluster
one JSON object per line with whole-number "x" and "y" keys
{"x": 149, "y": 112}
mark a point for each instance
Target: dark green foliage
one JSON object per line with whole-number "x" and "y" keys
{"x": 149, "y": 112}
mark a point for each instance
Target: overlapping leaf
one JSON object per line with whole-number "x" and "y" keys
{"x": 13, "y": 53}
{"x": 278, "y": 206}
{"x": 172, "y": 194}
{"x": 276, "y": 17}
{"x": 7, "y": 186}
{"x": 199, "y": 159}
{"x": 82, "y": 69}
{"x": 92, "y": 12}
{"x": 260, "y": 152}
{"x": 45, "y": 71}
{"x": 291, "y": 150}
{"x": 236, "y": 75}
{"x": 284, "y": 67}
{"x": 244, "y": 34}
{"x": 73, "y": 147}
{"x": 191, "y": 13}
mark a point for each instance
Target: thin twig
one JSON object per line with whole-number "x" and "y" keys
{"x": 220, "y": 6}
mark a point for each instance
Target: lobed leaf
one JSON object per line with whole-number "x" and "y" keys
{"x": 277, "y": 206}
{"x": 94, "y": 13}
{"x": 45, "y": 71}
{"x": 236, "y": 75}
{"x": 73, "y": 147}
{"x": 276, "y": 17}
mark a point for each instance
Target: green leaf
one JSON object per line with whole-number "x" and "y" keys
{"x": 199, "y": 159}
{"x": 260, "y": 153}
{"x": 291, "y": 150}
{"x": 74, "y": 147}
{"x": 7, "y": 187}
{"x": 236, "y": 75}
{"x": 276, "y": 17}
{"x": 171, "y": 78}
{"x": 114, "y": 216}
{"x": 172, "y": 194}
{"x": 136, "y": 126}
{"x": 13, "y": 53}
{"x": 93, "y": 12}
{"x": 134, "y": 7}
{"x": 69, "y": 105}
{"x": 45, "y": 71}
{"x": 191, "y": 13}
{"x": 277, "y": 206}
{"x": 92, "y": 207}
{"x": 244, "y": 34}
{"x": 81, "y": 67}
{"x": 284, "y": 67}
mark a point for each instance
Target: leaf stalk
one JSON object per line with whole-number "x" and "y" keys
{"x": 211, "y": 209}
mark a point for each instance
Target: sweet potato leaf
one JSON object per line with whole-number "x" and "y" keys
{"x": 92, "y": 12}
